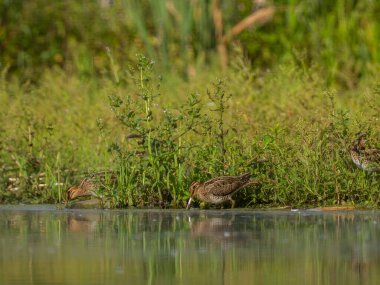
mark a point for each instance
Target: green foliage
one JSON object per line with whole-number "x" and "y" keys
{"x": 157, "y": 161}
{"x": 281, "y": 126}
{"x": 339, "y": 38}
{"x": 219, "y": 99}
{"x": 69, "y": 34}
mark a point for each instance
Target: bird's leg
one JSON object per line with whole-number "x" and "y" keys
{"x": 232, "y": 202}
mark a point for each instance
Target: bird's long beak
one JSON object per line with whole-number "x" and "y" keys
{"x": 188, "y": 204}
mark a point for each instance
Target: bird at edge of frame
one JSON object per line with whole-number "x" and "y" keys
{"x": 364, "y": 158}
{"x": 219, "y": 189}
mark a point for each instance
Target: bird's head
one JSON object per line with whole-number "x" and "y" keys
{"x": 72, "y": 193}
{"x": 194, "y": 188}
{"x": 361, "y": 141}
{"x": 193, "y": 192}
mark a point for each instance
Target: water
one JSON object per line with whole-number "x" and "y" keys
{"x": 44, "y": 245}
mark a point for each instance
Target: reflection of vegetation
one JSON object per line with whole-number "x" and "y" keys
{"x": 170, "y": 248}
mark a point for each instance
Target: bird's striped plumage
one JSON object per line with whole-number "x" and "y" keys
{"x": 90, "y": 185}
{"x": 219, "y": 189}
{"x": 86, "y": 188}
{"x": 366, "y": 159}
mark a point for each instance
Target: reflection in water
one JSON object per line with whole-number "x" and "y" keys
{"x": 187, "y": 247}
{"x": 82, "y": 222}
{"x": 221, "y": 231}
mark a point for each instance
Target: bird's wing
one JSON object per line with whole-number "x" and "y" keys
{"x": 373, "y": 154}
{"x": 225, "y": 185}
{"x": 88, "y": 185}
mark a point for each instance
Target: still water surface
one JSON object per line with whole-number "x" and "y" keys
{"x": 44, "y": 245}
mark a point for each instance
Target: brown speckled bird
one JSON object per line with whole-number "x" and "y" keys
{"x": 86, "y": 188}
{"x": 366, "y": 159}
{"x": 219, "y": 189}
{"x": 90, "y": 185}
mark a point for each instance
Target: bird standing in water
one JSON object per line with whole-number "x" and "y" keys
{"x": 366, "y": 159}
{"x": 219, "y": 189}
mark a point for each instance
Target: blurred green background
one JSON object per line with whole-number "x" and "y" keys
{"x": 339, "y": 37}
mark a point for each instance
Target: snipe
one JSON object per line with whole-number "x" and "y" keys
{"x": 90, "y": 185}
{"x": 366, "y": 159}
{"x": 86, "y": 188}
{"x": 219, "y": 189}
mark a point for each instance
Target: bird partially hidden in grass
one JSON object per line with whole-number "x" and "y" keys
{"x": 91, "y": 185}
{"x": 366, "y": 159}
{"x": 86, "y": 188}
{"x": 219, "y": 189}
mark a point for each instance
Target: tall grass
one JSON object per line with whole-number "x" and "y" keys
{"x": 282, "y": 126}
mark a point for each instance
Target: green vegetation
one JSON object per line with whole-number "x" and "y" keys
{"x": 293, "y": 96}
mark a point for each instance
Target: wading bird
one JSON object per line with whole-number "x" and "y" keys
{"x": 90, "y": 185}
{"x": 86, "y": 188}
{"x": 366, "y": 159}
{"x": 219, "y": 189}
